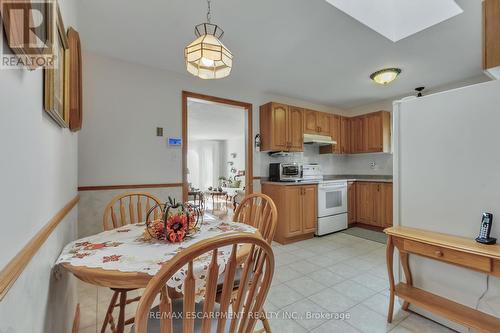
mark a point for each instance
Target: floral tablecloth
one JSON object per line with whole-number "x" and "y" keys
{"x": 125, "y": 249}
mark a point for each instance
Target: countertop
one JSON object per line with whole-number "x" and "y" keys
{"x": 350, "y": 178}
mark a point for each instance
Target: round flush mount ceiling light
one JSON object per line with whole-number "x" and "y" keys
{"x": 385, "y": 76}
{"x": 206, "y": 57}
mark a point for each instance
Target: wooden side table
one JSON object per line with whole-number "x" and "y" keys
{"x": 454, "y": 250}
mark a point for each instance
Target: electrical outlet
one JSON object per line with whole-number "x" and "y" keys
{"x": 372, "y": 165}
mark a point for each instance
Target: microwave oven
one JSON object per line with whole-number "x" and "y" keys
{"x": 285, "y": 172}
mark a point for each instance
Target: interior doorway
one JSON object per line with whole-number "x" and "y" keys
{"x": 217, "y": 150}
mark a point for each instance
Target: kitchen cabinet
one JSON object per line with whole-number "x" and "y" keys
{"x": 316, "y": 122}
{"x": 377, "y": 132}
{"x": 345, "y": 135}
{"x": 297, "y": 210}
{"x": 358, "y": 135}
{"x": 351, "y": 202}
{"x": 281, "y": 127}
{"x": 335, "y": 134}
{"x": 372, "y": 204}
{"x": 491, "y": 37}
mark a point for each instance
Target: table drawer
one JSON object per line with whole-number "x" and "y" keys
{"x": 452, "y": 256}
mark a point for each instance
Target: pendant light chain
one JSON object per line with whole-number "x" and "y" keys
{"x": 209, "y": 12}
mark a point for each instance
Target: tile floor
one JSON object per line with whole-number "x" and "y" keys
{"x": 338, "y": 273}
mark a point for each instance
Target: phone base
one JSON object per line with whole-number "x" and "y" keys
{"x": 489, "y": 240}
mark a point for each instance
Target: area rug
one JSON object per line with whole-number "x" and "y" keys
{"x": 376, "y": 236}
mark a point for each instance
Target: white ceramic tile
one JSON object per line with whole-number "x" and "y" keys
{"x": 284, "y": 258}
{"x": 302, "y": 253}
{"x": 368, "y": 321}
{"x": 305, "y": 286}
{"x": 332, "y": 300}
{"x": 371, "y": 281}
{"x": 304, "y": 267}
{"x": 360, "y": 264}
{"x": 354, "y": 290}
{"x": 380, "y": 304}
{"x": 333, "y": 326}
{"x": 308, "y": 314}
{"x": 417, "y": 323}
{"x": 283, "y": 295}
{"x": 326, "y": 277}
{"x": 285, "y": 273}
{"x": 344, "y": 270}
{"x": 285, "y": 325}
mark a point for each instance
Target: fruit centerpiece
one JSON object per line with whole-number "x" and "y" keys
{"x": 176, "y": 221}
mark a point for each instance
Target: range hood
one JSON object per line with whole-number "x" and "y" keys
{"x": 321, "y": 140}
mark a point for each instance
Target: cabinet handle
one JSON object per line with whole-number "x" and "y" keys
{"x": 438, "y": 253}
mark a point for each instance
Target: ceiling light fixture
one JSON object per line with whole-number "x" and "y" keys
{"x": 385, "y": 76}
{"x": 206, "y": 57}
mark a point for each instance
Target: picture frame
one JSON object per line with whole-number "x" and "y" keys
{"x": 56, "y": 78}
{"x": 75, "y": 81}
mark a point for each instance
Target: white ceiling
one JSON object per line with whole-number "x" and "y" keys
{"x": 305, "y": 49}
{"x": 398, "y": 19}
{"x": 211, "y": 121}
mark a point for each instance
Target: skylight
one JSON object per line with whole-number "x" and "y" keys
{"x": 398, "y": 19}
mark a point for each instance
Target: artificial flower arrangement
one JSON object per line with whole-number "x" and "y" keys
{"x": 177, "y": 221}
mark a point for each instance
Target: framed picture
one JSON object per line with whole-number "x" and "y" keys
{"x": 56, "y": 78}
{"x": 75, "y": 81}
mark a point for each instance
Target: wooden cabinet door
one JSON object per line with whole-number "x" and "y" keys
{"x": 378, "y": 205}
{"x": 310, "y": 122}
{"x": 386, "y": 198}
{"x": 335, "y": 133}
{"x": 351, "y": 202}
{"x": 323, "y": 123}
{"x": 295, "y": 129}
{"x": 364, "y": 202}
{"x": 374, "y": 139}
{"x": 491, "y": 34}
{"x": 293, "y": 210}
{"x": 357, "y": 135}
{"x": 345, "y": 135}
{"x": 279, "y": 127}
{"x": 309, "y": 209}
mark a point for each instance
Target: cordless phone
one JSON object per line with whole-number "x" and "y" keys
{"x": 484, "y": 232}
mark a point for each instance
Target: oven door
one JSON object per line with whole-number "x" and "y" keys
{"x": 332, "y": 199}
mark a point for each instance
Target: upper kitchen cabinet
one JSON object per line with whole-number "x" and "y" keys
{"x": 491, "y": 43}
{"x": 281, "y": 127}
{"x": 378, "y": 132}
{"x": 336, "y": 135}
{"x": 358, "y": 135}
{"x": 316, "y": 122}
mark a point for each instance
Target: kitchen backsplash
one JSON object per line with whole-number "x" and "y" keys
{"x": 362, "y": 164}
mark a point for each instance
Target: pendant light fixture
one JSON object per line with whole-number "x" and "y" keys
{"x": 206, "y": 57}
{"x": 385, "y": 76}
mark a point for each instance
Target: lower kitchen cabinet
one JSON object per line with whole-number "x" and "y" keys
{"x": 370, "y": 203}
{"x": 297, "y": 210}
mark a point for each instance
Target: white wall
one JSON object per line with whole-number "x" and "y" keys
{"x": 38, "y": 176}
{"x": 447, "y": 162}
{"x": 124, "y": 102}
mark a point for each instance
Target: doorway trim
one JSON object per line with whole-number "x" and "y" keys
{"x": 249, "y": 137}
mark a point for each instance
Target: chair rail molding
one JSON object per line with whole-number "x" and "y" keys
{"x": 10, "y": 273}
{"x": 124, "y": 186}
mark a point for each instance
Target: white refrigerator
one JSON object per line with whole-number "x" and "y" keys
{"x": 446, "y": 174}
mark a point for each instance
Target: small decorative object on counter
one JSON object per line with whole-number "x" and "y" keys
{"x": 177, "y": 221}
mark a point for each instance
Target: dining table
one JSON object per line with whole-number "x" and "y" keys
{"x": 126, "y": 258}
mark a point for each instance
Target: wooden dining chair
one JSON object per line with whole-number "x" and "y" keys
{"x": 123, "y": 209}
{"x": 176, "y": 315}
{"x": 259, "y": 211}
{"x": 129, "y": 208}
